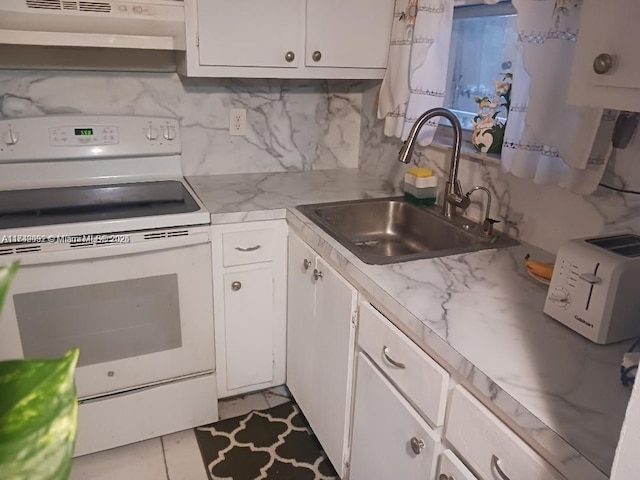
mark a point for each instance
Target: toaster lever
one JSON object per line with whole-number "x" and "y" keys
{"x": 590, "y": 278}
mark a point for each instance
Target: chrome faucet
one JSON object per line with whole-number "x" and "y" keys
{"x": 453, "y": 196}
{"x": 487, "y": 223}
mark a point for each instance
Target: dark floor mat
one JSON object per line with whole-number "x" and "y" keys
{"x": 273, "y": 444}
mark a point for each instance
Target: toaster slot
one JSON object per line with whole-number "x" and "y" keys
{"x": 627, "y": 245}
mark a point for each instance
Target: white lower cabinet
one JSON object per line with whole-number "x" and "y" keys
{"x": 390, "y": 439}
{"x": 249, "y": 315}
{"x": 249, "y": 295}
{"x": 409, "y": 368}
{"x": 489, "y": 446}
{"x": 321, "y": 344}
{"x": 405, "y": 409}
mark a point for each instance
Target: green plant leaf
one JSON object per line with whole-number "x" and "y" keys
{"x": 6, "y": 277}
{"x": 38, "y": 411}
{"x": 38, "y": 418}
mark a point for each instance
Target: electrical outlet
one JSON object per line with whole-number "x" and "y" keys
{"x": 238, "y": 121}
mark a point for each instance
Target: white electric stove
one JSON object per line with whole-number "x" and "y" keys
{"x": 115, "y": 257}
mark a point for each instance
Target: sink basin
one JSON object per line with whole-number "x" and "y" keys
{"x": 390, "y": 230}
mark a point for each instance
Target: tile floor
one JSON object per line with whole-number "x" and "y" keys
{"x": 171, "y": 457}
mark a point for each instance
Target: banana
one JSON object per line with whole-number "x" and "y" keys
{"x": 541, "y": 269}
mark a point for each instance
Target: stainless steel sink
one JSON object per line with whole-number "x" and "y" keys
{"x": 390, "y": 230}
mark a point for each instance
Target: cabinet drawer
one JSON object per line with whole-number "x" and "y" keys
{"x": 249, "y": 246}
{"x": 451, "y": 468}
{"x": 489, "y": 446}
{"x": 417, "y": 375}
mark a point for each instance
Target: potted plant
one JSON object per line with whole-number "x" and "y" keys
{"x": 38, "y": 412}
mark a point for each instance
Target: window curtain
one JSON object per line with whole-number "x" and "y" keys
{"x": 546, "y": 139}
{"x": 416, "y": 74}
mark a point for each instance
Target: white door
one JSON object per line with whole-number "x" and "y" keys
{"x": 348, "y": 33}
{"x": 249, "y": 323}
{"x": 384, "y": 428}
{"x": 301, "y": 311}
{"x": 249, "y": 34}
{"x": 332, "y": 347}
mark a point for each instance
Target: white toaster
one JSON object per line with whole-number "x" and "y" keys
{"x": 595, "y": 287}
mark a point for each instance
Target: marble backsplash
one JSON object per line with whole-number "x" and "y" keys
{"x": 545, "y": 216}
{"x": 291, "y": 125}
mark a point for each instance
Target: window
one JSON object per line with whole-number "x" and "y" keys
{"x": 483, "y": 48}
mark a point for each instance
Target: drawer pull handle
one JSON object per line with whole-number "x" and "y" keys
{"x": 250, "y": 249}
{"x": 417, "y": 445}
{"x": 306, "y": 264}
{"x": 495, "y": 462}
{"x": 385, "y": 354}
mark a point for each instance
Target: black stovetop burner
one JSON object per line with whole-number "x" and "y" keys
{"x": 88, "y": 203}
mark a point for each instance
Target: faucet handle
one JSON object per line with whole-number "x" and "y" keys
{"x": 487, "y": 226}
{"x": 458, "y": 197}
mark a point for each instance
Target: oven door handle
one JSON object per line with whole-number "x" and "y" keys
{"x": 106, "y": 251}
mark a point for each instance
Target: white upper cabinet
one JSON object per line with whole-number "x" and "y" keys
{"x": 348, "y": 33}
{"x": 287, "y": 38}
{"x": 606, "y": 68}
{"x": 265, "y": 35}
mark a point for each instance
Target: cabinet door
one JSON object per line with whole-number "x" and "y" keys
{"x": 249, "y": 34}
{"x": 249, "y": 308}
{"x": 348, "y": 33}
{"x": 614, "y": 28}
{"x": 332, "y": 347}
{"x": 607, "y": 28}
{"x": 384, "y": 426}
{"x": 301, "y": 311}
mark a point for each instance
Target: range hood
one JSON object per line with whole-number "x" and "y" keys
{"x": 139, "y": 24}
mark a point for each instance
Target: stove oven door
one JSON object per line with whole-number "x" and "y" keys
{"x": 141, "y": 313}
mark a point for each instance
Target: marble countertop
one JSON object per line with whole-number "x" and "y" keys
{"x": 479, "y": 313}
{"x": 266, "y": 196}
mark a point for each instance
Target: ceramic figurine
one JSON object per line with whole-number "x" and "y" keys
{"x": 488, "y": 131}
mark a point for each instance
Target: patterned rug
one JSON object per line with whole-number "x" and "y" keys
{"x": 273, "y": 444}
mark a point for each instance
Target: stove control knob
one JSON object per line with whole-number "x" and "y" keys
{"x": 170, "y": 133}
{"x": 152, "y": 133}
{"x": 10, "y": 137}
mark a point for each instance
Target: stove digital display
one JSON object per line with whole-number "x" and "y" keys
{"x": 84, "y": 132}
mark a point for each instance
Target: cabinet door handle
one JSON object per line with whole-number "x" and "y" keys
{"x": 235, "y": 286}
{"x": 316, "y": 56}
{"x": 317, "y": 274}
{"x": 603, "y": 63}
{"x": 417, "y": 445}
{"x": 306, "y": 264}
{"x": 495, "y": 462}
{"x": 385, "y": 354}
{"x": 249, "y": 249}
{"x": 290, "y": 56}
{"x": 444, "y": 476}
